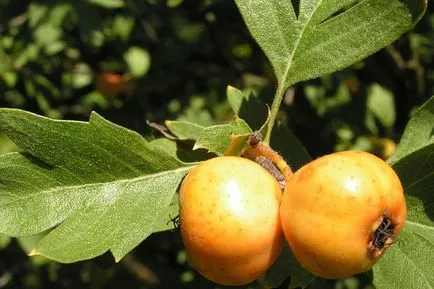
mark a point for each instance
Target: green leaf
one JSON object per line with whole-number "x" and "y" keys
{"x": 180, "y": 150}
{"x": 416, "y": 172}
{"x": 381, "y": 105}
{"x": 197, "y": 111}
{"x": 414, "y": 164}
{"x": 81, "y": 76}
{"x": 28, "y": 243}
{"x": 173, "y": 3}
{"x": 322, "y": 36}
{"x": 184, "y": 129}
{"x": 97, "y": 185}
{"x": 122, "y": 27}
{"x": 244, "y": 106}
{"x": 166, "y": 218}
{"x": 324, "y": 103}
{"x": 110, "y": 4}
{"x": 408, "y": 263}
{"x": 47, "y": 34}
{"x": 59, "y": 13}
{"x": 6, "y": 146}
{"x": 46, "y": 84}
{"x": 418, "y": 133}
{"x": 138, "y": 61}
{"x": 37, "y": 12}
{"x": 247, "y": 107}
{"x": 217, "y": 138}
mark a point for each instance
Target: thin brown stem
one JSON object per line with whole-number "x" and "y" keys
{"x": 256, "y": 149}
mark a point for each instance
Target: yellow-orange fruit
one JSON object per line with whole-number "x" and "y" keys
{"x": 340, "y": 212}
{"x": 111, "y": 84}
{"x": 384, "y": 148}
{"x": 229, "y": 219}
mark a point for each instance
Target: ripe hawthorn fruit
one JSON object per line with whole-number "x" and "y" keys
{"x": 112, "y": 84}
{"x": 229, "y": 219}
{"x": 109, "y": 84}
{"x": 384, "y": 148}
{"x": 341, "y": 212}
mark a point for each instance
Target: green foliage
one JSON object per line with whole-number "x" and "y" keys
{"x": 415, "y": 245}
{"x": 419, "y": 132}
{"x": 217, "y": 138}
{"x": 313, "y": 38}
{"x": 184, "y": 129}
{"x": 101, "y": 186}
{"x": 62, "y": 181}
{"x": 319, "y": 37}
{"x": 107, "y": 3}
{"x": 247, "y": 107}
{"x": 49, "y": 49}
{"x": 381, "y": 107}
{"x": 138, "y": 61}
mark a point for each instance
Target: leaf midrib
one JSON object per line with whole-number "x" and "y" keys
{"x": 419, "y": 225}
{"x": 129, "y": 181}
{"x": 297, "y": 42}
{"x": 349, "y": 32}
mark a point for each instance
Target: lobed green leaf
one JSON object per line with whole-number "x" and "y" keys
{"x": 98, "y": 186}
{"x": 318, "y": 37}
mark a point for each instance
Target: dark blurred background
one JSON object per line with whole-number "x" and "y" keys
{"x": 133, "y": 61}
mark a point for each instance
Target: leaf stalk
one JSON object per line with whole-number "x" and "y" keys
{"x": 278, "y": 97}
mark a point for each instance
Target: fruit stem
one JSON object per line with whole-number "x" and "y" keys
{"x": 278, "y": 96}
{"x": 256, "y": 149}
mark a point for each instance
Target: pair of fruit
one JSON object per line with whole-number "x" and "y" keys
{"x": 338, "y": 214}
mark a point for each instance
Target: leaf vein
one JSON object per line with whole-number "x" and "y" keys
{"x": 85, "y": 141}
{"x": 420, "y": 225}
{"x": 136, "y": 179}
{"x": 415, "y": 268}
